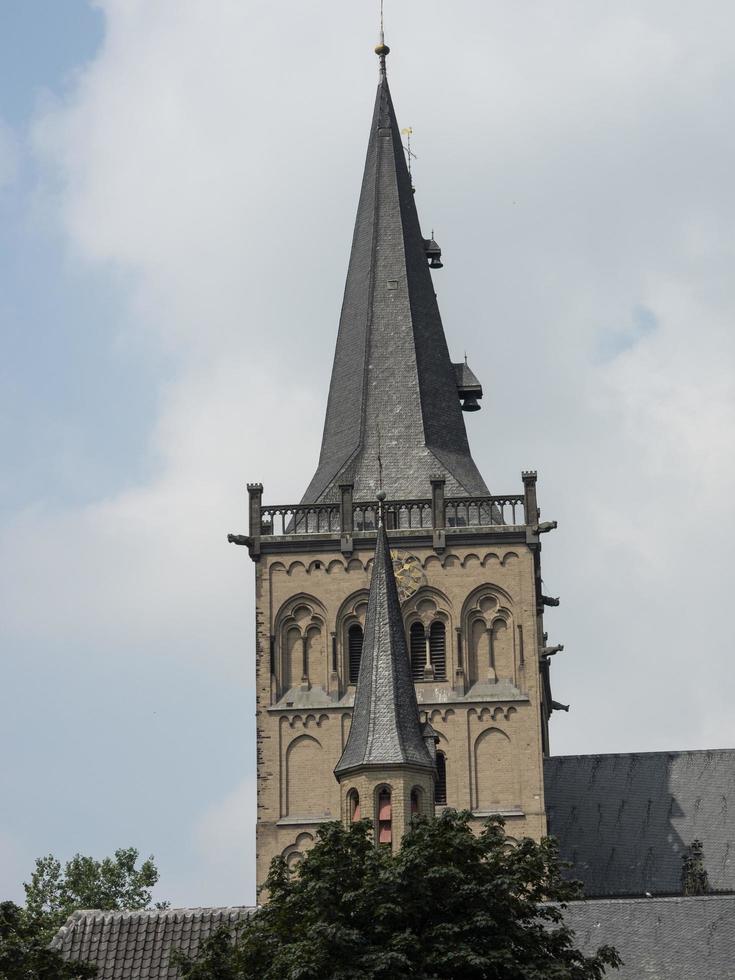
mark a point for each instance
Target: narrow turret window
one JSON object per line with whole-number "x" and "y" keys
{"x": 354, "y": 651}
{"x": 440, "y": 791}
{"x": 418, "y": 651}
{"x": 414, "y": 802}
{"x": 385, "y": 835}
{"x": 438, "y": 649}
{"x": 353, "y": 805}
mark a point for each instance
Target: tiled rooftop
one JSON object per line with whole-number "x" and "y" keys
{"x": 138, "y": 945}
{"x": 624, "y": 822}
{"x": 661, "y": 938}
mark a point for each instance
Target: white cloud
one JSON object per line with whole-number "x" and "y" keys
{"x": 151, "y": 566}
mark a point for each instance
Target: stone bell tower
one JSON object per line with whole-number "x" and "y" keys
{"x": 467, "y": 565}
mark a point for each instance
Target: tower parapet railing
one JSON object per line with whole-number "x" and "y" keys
{"x": 491, "y": 510}
{"x": 503, "y": 510}
{"x": 279, "y": 519}
{"x": 436, "y": 514}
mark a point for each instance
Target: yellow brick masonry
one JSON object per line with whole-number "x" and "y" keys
{"x": 401, "y": 783}
{"x": 492, "y": 742}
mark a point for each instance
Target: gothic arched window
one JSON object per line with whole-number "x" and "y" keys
{"x": 440, "y": 790}
{"x": 353, "y": 805}
{"x": 354, "y": 651}
{"x": 418, "y": 651}
{"x": 385, "y": 832}
{"x": 438, "y": 649}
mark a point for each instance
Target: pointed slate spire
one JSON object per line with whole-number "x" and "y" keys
{"x": 386, "y": 728}
{"x": 393, "y": 388}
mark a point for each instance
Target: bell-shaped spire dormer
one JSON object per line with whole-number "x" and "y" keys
{"x": 393, "y": 392}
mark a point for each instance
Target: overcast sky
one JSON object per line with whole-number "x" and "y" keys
{"x": 178, "y": 183}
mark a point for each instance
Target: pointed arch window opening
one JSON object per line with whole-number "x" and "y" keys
{"x": 385, "y": 822}
{"x": 417, "y": 644}
{"x": 353, "y": 806}
{"x": 354, "y": 651}
{"x": 440, "y": 788}
{"x": 438, "y": 649}
{"x": 428, "y": 650}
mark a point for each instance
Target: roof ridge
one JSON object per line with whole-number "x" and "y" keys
{"x": 638, "y": 899}
{"x": 130, "y": 913}
{"x": 599, "y": 755}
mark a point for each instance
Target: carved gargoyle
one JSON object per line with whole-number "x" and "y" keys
{"x": 558, "y": 706}
{"x": 550, "y": 651}
{"x": 239, "y": 539}
{"x": 548, "y": 600}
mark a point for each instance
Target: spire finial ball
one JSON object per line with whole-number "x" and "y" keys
{"x": 380, "y": 495}
{"x": 382, "y": 49}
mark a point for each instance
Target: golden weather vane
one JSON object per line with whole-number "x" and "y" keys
{"x": 410, "y": 155}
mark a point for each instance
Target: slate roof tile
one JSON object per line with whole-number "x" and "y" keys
{"x": 386, "y": 728}
{"x": 658, "y": 938}
{"x": 625, "y": 821}
{"x": 661, "y": 938}
{"x": 138, "y": 945}
{"x": 393, "y": 387}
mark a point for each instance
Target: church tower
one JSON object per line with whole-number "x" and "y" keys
{"x": 473, "y": 654}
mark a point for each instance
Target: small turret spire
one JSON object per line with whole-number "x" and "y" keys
{"x": 386, "y": 729}
{"x": 382, "y": 49}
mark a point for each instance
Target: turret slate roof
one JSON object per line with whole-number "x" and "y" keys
{"x": 625, "y": 821}
{"x": 393, "y": 386}
{"x": 386, "y": 729}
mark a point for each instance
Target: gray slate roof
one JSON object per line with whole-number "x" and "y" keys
{"x": 661, "y": 938}
{"x": 658, "y": 938}
{"x": 392, "y": 380}
{"x": 138, "y": 945}
{"x": 624, "y": 821}
{"x": 386, "y": 729}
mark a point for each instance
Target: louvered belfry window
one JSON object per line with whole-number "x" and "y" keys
{"x": 385, "y": 834}
{"x": 418, "y": 651}
{"x": 440, "y": 788}
{"x": 438, "y": 649}
{"x": 354, "y": 651}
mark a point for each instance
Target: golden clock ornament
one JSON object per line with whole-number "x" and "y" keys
{"x": 409, "y": 574}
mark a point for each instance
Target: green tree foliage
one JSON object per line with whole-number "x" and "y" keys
{"x": 54, "y": 892}
{"x": 25, "y": 956}
{"x": 449, "y": 904}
